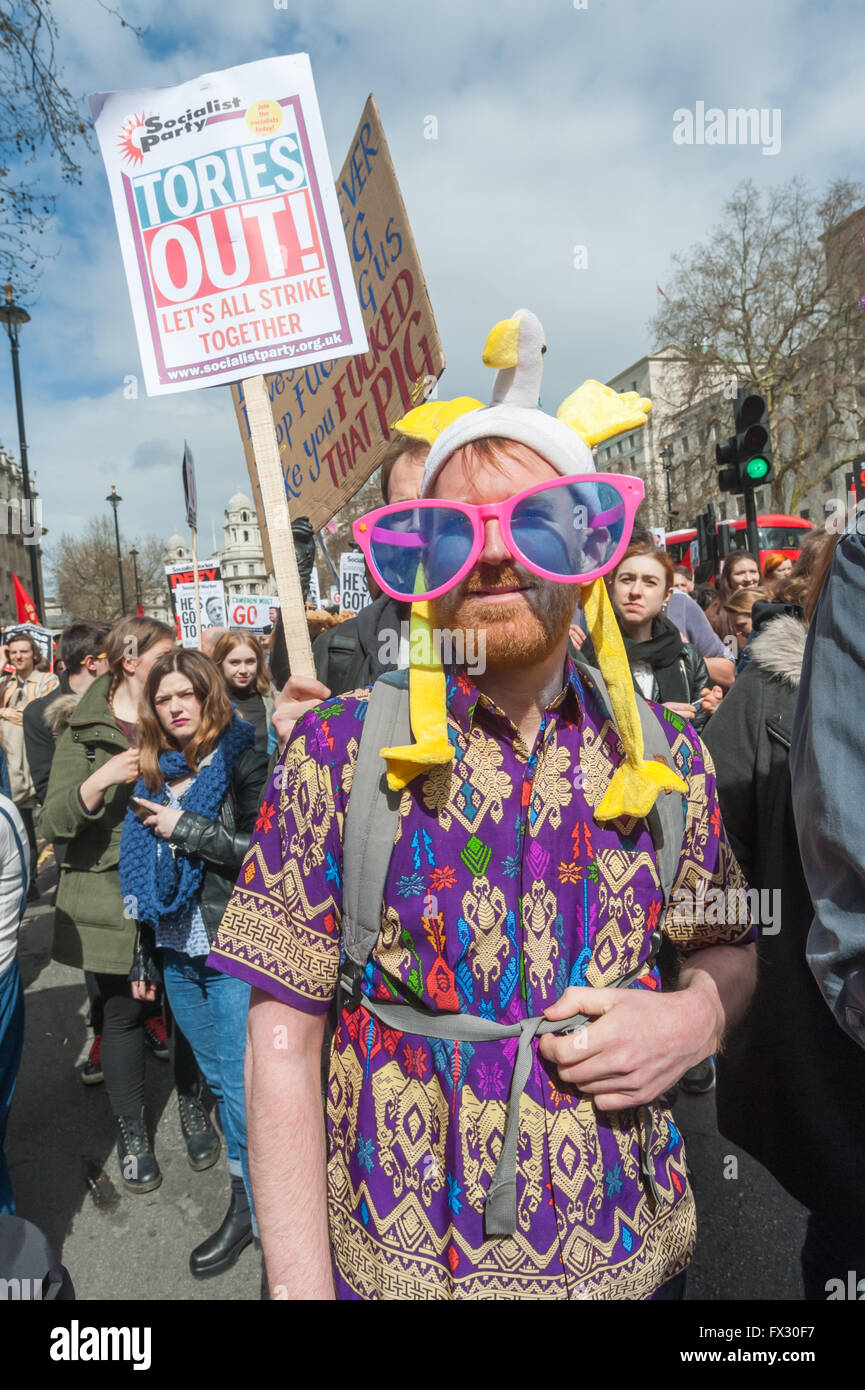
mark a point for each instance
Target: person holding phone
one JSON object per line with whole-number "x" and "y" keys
{"x": 185, "y": 834}
{"x": 95, "y": 764}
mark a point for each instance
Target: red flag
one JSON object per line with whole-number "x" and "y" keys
{"x": 26, "y": 607}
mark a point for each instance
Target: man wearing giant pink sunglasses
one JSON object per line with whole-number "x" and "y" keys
{"x": 474, "y": 1150}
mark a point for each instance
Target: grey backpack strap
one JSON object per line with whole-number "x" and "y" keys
{"x": 667, "y": 818}
{"x": 370, "y": 826}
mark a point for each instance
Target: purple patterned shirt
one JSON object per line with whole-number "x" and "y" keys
{"x": 502, "y": 891}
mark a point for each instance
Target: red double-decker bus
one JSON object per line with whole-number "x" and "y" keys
{"x": 776, "y": 532}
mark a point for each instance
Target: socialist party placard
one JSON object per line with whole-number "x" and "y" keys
{"x": 230, "y": 231}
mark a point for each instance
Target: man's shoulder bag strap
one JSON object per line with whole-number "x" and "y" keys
{"x": 370, "y": 827}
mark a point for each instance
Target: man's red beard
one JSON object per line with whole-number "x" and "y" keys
{"x": 518, "y": 633}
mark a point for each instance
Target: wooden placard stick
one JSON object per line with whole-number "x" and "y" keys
{"x": 272, "y": 484}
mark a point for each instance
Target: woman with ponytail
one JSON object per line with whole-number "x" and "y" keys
{"x": 185, "y": 835}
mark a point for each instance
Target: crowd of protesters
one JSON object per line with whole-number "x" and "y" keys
{"x": 146, "y": 769}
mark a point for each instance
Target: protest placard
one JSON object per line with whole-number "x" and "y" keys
{"x": 181, "y": 583}
{"x": 253, "y": 613}
{"x": 42, "y": 636}
{"x": 353, "y": 590}
{"x": 332, "y": 419}
{"x": 229, "y": 227}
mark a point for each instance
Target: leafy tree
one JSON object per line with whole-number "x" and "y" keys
{"x": 86, "y": 575}
{"x": 771, "y": 301}
{"x": 37, "y": 112}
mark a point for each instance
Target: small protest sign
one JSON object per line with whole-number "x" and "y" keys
{"x": 42, "y": 636}
{"x": 256, "y": 614}
{"x": 190, "y": 492}
{"x": 333, "y": 419}
{"x": 354, "y": 593}
{"x": 181, "y": 582}
{"x": 230, "y": 231}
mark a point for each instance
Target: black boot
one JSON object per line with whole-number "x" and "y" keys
{"x": 202, "y": 1140}
{"x": 221, "y": 1250}
{"x": 139, "y": 1170}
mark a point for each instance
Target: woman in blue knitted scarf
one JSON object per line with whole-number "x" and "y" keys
{"x": 186, "y": 832}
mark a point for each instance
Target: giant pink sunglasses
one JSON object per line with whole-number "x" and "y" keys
{"x": 571, "y": 530}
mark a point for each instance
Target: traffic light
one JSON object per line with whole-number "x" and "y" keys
{"x": 745, "y": 459}
{"x": 727, "y": 455}
{"x": 755, "y": 444}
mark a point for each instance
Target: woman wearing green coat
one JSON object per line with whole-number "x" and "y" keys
{"x": 94, "y": 769}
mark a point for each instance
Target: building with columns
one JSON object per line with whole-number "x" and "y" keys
{"x": 241, "y": 559}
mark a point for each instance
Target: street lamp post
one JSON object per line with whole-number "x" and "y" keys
{"x": 667, "y": 465}
{"x": 134, "y": 554}
{"x": 114, "y": 499}
{"x": 13, "y": 316}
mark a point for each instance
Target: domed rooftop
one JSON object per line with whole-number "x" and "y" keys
{"x": 239, "y": 502}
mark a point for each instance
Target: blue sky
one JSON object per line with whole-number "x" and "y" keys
{"x": 554, "y": 130}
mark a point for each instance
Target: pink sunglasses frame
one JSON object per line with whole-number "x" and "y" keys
{"x": 630, "y": 490}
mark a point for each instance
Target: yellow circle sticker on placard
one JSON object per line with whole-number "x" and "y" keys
{"x": 264, "y": 117}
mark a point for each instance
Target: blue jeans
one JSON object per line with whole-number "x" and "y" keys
{"x": 11, "y": 1044}
{"x": 211, "y": 1009}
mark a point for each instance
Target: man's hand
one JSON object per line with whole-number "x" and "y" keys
{"x": 639, "y": 1044}
{"x": 299, "y": 694}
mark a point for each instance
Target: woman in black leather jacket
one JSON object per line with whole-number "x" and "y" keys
{"x": 664, "y": 667}
{"x": 186, "y": 833}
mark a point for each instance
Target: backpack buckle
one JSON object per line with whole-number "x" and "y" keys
{"x": 350, "y": 981}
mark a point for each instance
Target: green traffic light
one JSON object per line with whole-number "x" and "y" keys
{"x": 757, "y": 468}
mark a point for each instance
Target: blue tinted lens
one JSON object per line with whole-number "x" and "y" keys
{"x": 569, "y": 529}
{"x": 437, "y": 538}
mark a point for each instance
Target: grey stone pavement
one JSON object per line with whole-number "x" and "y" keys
{"x": 65, "y": 1175}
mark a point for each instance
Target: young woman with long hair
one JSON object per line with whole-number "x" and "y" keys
{"x": 663, "y": 667}
{"x": 96, "y": 762}
{"x": 186, "y": 832}
{"x": 240, "y": 658}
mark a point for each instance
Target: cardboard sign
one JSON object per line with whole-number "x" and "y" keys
{"x": 231, "y": 236}
{"x": 660, "y": 536}
{"x": 333, "y": 419}
{"x": 181, "y": 582}
{"x": 353, "y": 590}
{"x": 253, "y": 613}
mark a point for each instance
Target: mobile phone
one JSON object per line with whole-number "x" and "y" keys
{"x": 142, "y": 812}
